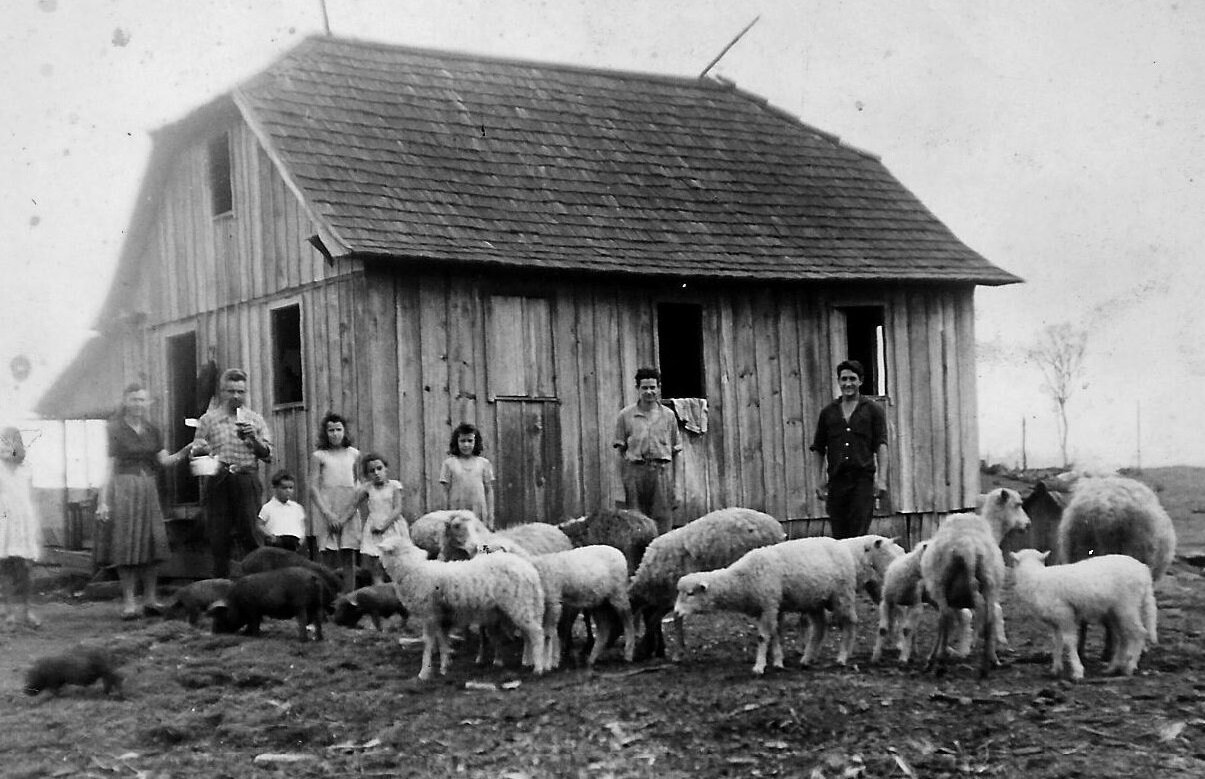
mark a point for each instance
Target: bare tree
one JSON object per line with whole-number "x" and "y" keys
{"x": 1060, "y": 354}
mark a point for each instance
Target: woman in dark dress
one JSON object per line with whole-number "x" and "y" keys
{"x": 134, "y": 537}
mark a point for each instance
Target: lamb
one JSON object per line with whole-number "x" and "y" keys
{"x": 582, "y": 579}
{"x": 1116, "y": 589}
{"x": 194, "y": 599}
{"x": 628, "y": 531}
{"x": 483, "y": 590}
{"x": 378, "y": 601}
{"x": 81, "y": 665}
{"x": 465, "y": 535}
{"x": 712, "y": 541}
{"x": 427, "y": 532}
{"x": 963, "y": 567}
{"x": 904, "y": 598}
{"x": 873, "y": 555}
{"x": 807, "y": 575}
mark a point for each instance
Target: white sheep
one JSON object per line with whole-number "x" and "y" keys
{"x": 465, "y": 535}
{"x": 712, "y": 541}
{"x": 427, "y": 532}
{"x": 963, "y": 568}
{"x": 583, "y": 579}
{"x": 1115, "y": 515}
{"x": 485, "y": 590}
{"x": 1115, "y": 589}
{"x": 873, "y": 555}
{"x": 807, "y": 575}
{"x": 902, "y": 603}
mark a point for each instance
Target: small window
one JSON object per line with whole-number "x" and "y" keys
{"x": 866, "y": 343}
{"x": 220, "y": 188}
{"x": 680, "y": 349}
{"x": 287, "y": 379}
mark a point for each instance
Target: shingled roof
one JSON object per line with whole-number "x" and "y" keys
{"x": 405, "y": 154}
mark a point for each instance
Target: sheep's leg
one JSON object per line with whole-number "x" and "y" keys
{"x": 652, "y": 642}
{"x": 816, "y": 628}
{"x": 552, "y": 635}
{"x": 680, "y": 634}
{"x": 629, "y": 627}
{"x": 776, "y": 654}
{"x": 425, "y": 672}
{"x": 765, "y": 634}
{"x": 941, "y": 650}
{"x": 998, "y": 617}
{"x": 987, "y": 615}
{"x": 1070, "y": 639}
{"x": 906, "y": 640}
{"x": 601, "y": 635}
{"x": 533, "y": 641}
{"x": 1129, "y": 633}
{"x": 966, "y": 633}
{"x": 886, "y": 626}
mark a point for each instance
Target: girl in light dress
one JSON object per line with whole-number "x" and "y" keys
{"x": 381, "y": 499}
{"x": 20, "y": 531}
{"x": 332, "y": 487}
{"x": 468, "y": 478}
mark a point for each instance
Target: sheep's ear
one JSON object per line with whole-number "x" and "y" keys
{"x": 1044, "y": 555}
{"x": 898, "y": 540}
{"x": 1013, "y": 556}
{"x": 353, "y": 599}
{"x": 1003, "y": 499}
{"x": 219, "y": 605}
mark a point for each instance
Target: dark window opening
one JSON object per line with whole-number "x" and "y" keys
{"x": 287, "y": 380}
{"x": 220, "y": 187}
{"x": 866, "y": 343}
{"x": 183, "y": 404}
{"x": 680, "y": 350}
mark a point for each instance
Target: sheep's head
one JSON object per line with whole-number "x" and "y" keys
{"x": 1003, "y": 511}
{"x": 1031, "y": 556}
{"x": 693, "y": 595}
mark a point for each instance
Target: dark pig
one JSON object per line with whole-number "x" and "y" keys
{"x": 272, "y": 558}
{"x": 287, "y": 593}
{"x": 194, "y": 599}
{"x": 379, "y": 602}
{"x": 80, "y": 666}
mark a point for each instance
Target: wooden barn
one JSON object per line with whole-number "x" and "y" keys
{"x": 416, "y": 238}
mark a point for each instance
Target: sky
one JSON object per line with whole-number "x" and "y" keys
{"x": 1064, "y": 141}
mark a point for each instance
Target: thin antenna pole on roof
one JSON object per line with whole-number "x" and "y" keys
{"x": 731, "y": 43}
{"x": 326, "y": 20}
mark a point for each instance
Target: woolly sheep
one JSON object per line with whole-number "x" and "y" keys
{"x": 427, "y": 532}
{"x": 628, "y": 531}
{"x": 465, "y": 534}
{"x": 873, "y": 554}
{"x": 807, "y": 575}
{"x": 1116, "y": 589}
{"x": 585, "y": 578}
{"x": 904, "y": 600}
{"x": 1116, "y": 515}
{"x": 484, "y": 590}
{"x": 963, "y": 567}
{"x": 712, "y": 541}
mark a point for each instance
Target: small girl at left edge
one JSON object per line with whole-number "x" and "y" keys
{"x": 20, "y": 531}
{"x": 383, "y": 498}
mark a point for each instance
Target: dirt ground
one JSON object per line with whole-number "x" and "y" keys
{"x": 229, "y": 706}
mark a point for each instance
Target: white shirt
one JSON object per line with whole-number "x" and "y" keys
{"x": 283, "y": 519}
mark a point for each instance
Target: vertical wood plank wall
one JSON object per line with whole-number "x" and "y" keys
{"x": 403, "y": 355}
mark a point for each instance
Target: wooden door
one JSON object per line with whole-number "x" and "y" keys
{"x": 522, "y": 385}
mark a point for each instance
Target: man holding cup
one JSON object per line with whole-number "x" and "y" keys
{"x": 238, "y": 438}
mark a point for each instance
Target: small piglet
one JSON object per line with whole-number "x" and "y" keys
{"x": 378, "y": 601}
{"x": 192, "y": 600}
{"x": 273, "y": 558}
{"x": 288, "y": 593}
{"x": 81, "y": 666}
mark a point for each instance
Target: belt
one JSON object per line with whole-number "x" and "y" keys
{"x": 238, "y": 469}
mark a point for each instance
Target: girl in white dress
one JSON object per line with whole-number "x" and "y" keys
{"x": 332, "y": 488}
{"x": 382, "y": 498}
{"x": 467, "y": 477}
